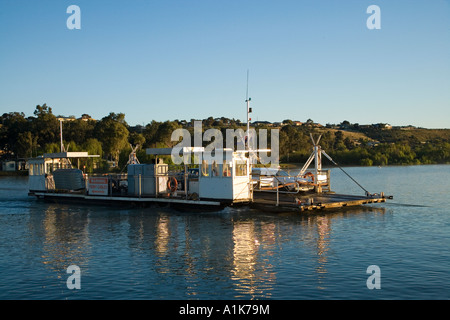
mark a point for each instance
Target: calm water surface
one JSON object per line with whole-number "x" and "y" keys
{"x": 159, "y": 253}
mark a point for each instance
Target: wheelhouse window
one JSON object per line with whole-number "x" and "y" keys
{"x": 205, "y": 168}
{"x": 215, "y": 170}
{"x": 241, "y": 168}
{"x": 226, "y": 169}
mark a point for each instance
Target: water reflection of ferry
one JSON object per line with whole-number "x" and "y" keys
{"x": 185, "y": 247}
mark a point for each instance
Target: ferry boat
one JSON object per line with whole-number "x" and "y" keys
{"x": 213, "y": 184}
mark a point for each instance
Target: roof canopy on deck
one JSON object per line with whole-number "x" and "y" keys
{"x": 61, "y": 155}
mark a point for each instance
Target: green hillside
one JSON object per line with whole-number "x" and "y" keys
{"x": 111, "y": 136}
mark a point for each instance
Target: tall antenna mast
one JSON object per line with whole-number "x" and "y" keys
{"x": 249, "y": 110}
{"x": 61, "y": 135}
{"x": 246, "y": 94}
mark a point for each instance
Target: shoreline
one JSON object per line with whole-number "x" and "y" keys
{"x": 293, "y": 165}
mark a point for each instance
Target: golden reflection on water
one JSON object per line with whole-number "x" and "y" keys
{"x": 255, "y": 244}
{"x": 66, "y": 239}
{"x": 245, "y": 252}
{"x": 162, "y": 235}
{"x": 244, "y": 256}
{"x": 323, "y": 239}
{"x": 252, "y": 271}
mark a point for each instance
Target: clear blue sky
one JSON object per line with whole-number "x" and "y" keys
{"x": 166, "y": 60}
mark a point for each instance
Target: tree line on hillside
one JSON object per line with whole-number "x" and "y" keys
{"x": 377, "y": 146}
{"x": 112, "y": 139}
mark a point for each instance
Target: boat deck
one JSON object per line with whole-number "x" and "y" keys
{"x": 265, "y": 201}
{"x": 309, "y": 201}
{"x": 125, "y": 199}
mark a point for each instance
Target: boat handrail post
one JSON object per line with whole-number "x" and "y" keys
{"x": 140, "y": 184}
{"x": 278, "y": 193}
{"x": 250, "y": 180}
{"x": 156, "y": 181}
{"x": 110, "y": 185}
{"x": 186, "y": 180}
{"x": 328, "y": 181}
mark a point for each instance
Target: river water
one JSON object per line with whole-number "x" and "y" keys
{"x": 159, "y": 253}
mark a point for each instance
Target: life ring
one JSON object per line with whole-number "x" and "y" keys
{"x": 310, "y": 174}
{"x": 172, "y": 184}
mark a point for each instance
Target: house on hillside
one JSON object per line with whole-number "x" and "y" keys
{"x": 63, "y": 118}
{"x": 262, "y": 123}
{"x": 84, "y": 117}
{"x": 9, "y": 165}
{"x": 14, "y": 165}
